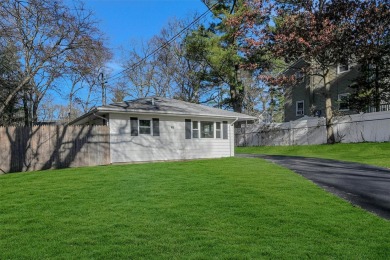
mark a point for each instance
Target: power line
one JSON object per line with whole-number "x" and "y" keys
{"x": 133, "y": 66}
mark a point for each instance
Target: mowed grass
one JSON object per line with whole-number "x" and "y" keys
{"x": 369, "y": 153}
{"x": 223, "y": 208}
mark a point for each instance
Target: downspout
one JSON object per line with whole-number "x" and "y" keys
{"x": 234, "y": 121}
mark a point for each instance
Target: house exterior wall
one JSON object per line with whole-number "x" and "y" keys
{"x": 311, "y": 91}
{"x": 169, "y": 145}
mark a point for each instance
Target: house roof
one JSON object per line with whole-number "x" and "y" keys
{"x": 163, "y": 106}
{"x": 294, "y": 66}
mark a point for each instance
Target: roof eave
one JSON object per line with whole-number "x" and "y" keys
{"x": 108, "y": 110}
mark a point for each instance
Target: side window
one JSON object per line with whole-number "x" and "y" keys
{"x": 145, "y": 127}
{"x": 300, "y": 108}
{"x": 343, "y": 102}
{"x": 195, "y": 129}
{"x": 206, "y": 129}
{"x": 218, "y": 129}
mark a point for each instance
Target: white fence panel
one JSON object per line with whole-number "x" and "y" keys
{"x": 369, "y": 127}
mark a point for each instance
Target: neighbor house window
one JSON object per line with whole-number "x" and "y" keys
{"x": 218, "y": 129}
{"x": 343, "y": 101}
{"x": 299, "y": 76}
{"x": 342, "y": 68}
{"x": 145, "y": 127}
{"x": 195, "y": 129}
{"x": 300, "y": 108}
{"x": 207, "y": 129}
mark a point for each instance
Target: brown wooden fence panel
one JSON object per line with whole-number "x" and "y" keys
{"x": 48, "y": 147}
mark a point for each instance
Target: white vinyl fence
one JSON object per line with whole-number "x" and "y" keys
{"x": 368, "y": 127}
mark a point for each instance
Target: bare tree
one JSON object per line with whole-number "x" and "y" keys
{"x": 170, "y": 71}
{"x": 45, "y": 33}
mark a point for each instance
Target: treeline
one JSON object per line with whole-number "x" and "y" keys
{"x": 232, "y": 59}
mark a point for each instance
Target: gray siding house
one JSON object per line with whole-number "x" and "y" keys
{"x": 160, "y": 129}
{"x": 306, "y": 97}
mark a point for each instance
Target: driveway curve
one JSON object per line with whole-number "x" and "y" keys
{"x": 363, "y": 185}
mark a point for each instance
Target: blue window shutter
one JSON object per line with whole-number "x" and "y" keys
{"x": 134, "y": 126}
{"x": 188, "y": 128}
{"x": 156, "y": 126}
{"x": 225, "y": 130}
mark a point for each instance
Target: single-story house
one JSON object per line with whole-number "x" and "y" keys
{"x": 159, "y": 129}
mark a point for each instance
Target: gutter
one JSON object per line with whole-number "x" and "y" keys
{"x": 234, "y": 121}
{"x": 172, "y": 114}
{"x": 84, "y": 116}
{"x": 101, "y": 118}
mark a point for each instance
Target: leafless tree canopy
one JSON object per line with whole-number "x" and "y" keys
{"x": 52, "y": 41}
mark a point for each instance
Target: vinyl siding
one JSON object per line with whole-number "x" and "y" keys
{"x": 311, "y": 91}
{"x": 170, "y": 145}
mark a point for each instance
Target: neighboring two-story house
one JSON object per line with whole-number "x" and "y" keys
{"x": 307, "y": 97}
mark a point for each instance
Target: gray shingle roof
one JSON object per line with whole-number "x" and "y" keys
{"x": 159, "y": 105}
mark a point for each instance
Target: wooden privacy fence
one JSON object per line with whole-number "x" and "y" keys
{"x": 47, "y": 147}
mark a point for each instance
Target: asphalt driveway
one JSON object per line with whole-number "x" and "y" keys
{"x": 363, "y": 185}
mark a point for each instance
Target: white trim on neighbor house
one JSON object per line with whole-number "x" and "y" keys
{"x": 342, "y": 68}
{"x": 300, "y": 110}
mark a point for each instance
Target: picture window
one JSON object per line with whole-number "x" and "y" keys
{"x": 207, "y": 129}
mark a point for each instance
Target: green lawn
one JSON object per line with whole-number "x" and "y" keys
{"x": 224, "y": 208}
{"x": 369, "y": 153}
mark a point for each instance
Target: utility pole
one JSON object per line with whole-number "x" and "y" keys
{"x": 101, "y": 78}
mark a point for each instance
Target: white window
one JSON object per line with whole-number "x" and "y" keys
{"x": 300, "y": 108}
{"x": 145, "y": 127}
{"x": 218, "y": 129}
{"x": 343, "y": 102}
{"x": 341, "y": 68}
{"x": 206, "y": 129}
{"x": 195, "y": 129}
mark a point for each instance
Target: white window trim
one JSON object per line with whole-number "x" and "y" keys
{"x": 341, "y": 72}
{"x": 303, "y": 108}
{"x": 339, "y": 100}
{"x": 139, "y": 125}
{"x": 193, "y": 129}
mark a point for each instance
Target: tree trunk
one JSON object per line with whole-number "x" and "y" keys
{"x": 377, "y": 95}
{"x": 26, "y": 109}
{"x": 236, "y": 99}
{"x": 330, "y": 139}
